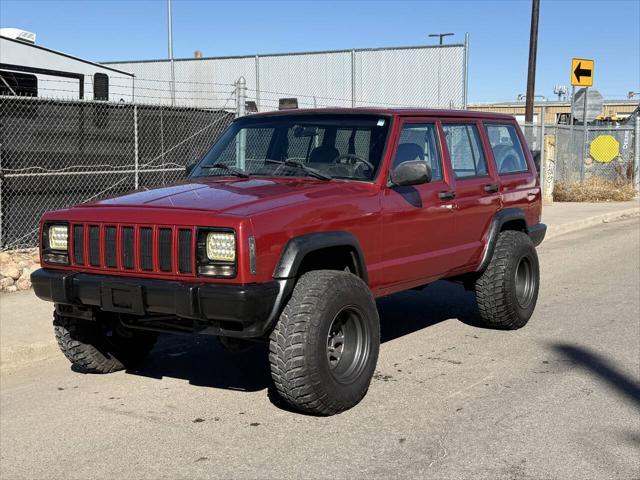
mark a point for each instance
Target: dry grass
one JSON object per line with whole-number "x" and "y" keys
{"x": 594, "y": 189}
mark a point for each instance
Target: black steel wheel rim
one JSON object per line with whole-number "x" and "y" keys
{"x": 525, "y": 282}
{"x": 348, "y": 345}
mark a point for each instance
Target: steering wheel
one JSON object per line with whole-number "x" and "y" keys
{"x": 353, "y": 157}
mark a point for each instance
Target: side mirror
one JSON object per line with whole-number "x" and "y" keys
{"x": 413, "y": 172}
{"x": 188, "y": 169}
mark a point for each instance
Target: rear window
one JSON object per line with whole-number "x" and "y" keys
{"x": 465, "y": 150}
{"x": 507, "y": 150}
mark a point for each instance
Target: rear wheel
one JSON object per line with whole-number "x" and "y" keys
{"x": 96, "y": 347}
{"x": 324, "y": 348}
{"x": 507, "y": 291}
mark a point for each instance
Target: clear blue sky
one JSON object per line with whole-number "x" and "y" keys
{"x": 608, "y": 31}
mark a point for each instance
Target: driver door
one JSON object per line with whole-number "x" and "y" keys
{"x": 418, "y": 220}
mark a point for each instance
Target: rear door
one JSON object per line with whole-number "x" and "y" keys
{"x": 476, "y": 188}
{"x": 515, "y": 172}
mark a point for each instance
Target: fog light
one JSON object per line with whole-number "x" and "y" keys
{"x": 217, "y": 270}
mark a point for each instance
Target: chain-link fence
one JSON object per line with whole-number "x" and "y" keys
{"x": 573, "y": 155}
{"x": 55, "y": 154}
{"x": 606, "y": 152}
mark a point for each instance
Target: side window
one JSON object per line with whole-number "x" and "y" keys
{"x": 465, "y": 150}
{"x": 507, "y": 149}
{"x": 418, "y": 141}
{"x": 101, "y": 87}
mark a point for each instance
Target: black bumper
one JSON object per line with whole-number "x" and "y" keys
{"x": 215, "y": 309}
{"x": 537, "y": 233}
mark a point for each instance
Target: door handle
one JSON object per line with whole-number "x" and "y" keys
{"x": 491, "y": 187}
{"x": 450, "y": 195}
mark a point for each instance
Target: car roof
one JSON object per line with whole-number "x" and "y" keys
{"x": 398, "y": 112}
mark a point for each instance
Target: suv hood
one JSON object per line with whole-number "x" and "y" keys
{"x": 238, "y": 196}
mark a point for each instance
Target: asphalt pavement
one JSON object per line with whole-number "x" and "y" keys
{"x": 559, "y": 398}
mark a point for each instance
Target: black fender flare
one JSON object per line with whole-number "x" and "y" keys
{"x": 298, "y": 247}
{"x": 498, "y": 220}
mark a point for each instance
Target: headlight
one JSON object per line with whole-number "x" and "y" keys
{"x": 58, "y": 237}
{"x": 221, "y": 247}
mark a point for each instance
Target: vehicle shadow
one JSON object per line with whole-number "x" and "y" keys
{"x": 602, "y": 369}
{"x": 203, "y": 362}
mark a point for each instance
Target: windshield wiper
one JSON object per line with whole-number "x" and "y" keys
{"x": 296, "y": 163}
{"x": 236, "y": 171}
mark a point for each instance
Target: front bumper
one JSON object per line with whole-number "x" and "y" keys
{"x": 205, "y": 308}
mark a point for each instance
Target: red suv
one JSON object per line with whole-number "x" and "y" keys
{"x": 288, "y": 230}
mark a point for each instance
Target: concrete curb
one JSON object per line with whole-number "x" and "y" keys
{"x": 16, "y": 357}
{"x": 557, "y": 230}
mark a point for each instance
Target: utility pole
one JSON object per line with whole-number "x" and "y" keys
{"x": 533, "y": 49}
{"x": 170, "y": 46}
{"x": 441, "y": 35}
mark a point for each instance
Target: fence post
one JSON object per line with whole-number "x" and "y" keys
{"x": 241, "y": 92}
{"x": 636, "y": 152}
{"x": 542, "y": 151}
{"x": 2, "y": 181}
{"x": 136, "y": 160}
{"x": 584, "y": 151}
{"x": 466, "y": 70}
{"x": 241, "y": 140}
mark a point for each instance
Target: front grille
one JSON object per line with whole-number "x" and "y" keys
{"x": 78, "y": 244}
{"x": 94, "y": 246}
{"x": 164, "y": 250}
{"x": 110, "y": 247}
{"x": 146, "y": 248}
{"x": 130, "y": 248}
{"x": 185, "y": 245}
{"x": 127, "y": 248}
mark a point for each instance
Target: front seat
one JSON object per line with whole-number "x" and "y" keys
{"x": 323, "y": 154}
{"x": 407, "y": 152}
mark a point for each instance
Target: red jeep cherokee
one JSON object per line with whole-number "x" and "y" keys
{"x": 288, "y": 230}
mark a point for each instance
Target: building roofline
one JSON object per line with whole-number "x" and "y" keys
{"x": 548, "y": 103}
{"x": 99, "y": 65}
{"x": 263, "y": 55}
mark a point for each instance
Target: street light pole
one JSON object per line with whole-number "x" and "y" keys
{"x": 170, "y": 46}
{"x": 533, "y": 49}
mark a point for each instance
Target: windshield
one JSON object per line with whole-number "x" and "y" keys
{"x": 323, "y": 146}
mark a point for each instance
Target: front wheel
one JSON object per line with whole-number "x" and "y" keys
{"x": 324, "y": 348}
{"x": 507, "y": 291}
{"x": 95, "y": 347}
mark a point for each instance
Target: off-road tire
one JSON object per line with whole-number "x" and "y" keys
{"x": 496, "y": 289}
{"x": 299, "y": 352}
{"x": 93, "y": 348}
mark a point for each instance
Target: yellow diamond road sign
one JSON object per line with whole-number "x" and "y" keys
{"x": 581, "y": 72}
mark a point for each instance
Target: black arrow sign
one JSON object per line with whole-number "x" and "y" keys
{"x": 581, "y": 72}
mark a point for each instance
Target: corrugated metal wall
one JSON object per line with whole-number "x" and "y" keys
{"x": 424, "y": 76}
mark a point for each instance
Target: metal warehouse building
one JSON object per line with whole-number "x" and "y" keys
{"x": 428, "y": 76}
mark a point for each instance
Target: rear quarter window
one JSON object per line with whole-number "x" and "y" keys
{"x": 507, "y": 150}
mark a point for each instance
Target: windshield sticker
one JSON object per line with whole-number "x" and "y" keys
{"x": 381, "y": 122}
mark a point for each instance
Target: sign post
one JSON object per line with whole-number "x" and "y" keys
{"x": 581, "y": 76}
{"x": 585, "y": 123}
